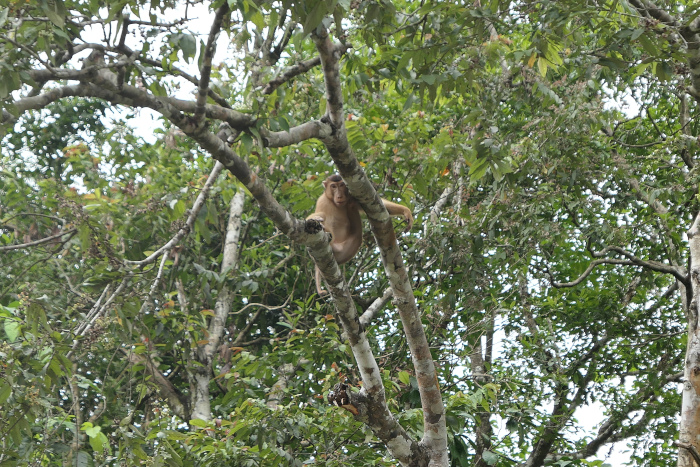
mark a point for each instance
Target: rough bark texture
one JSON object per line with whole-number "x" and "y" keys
{"x": 689, "y": 430}
{"x": 690, "y": 408}
{"x": 435, "y": 433}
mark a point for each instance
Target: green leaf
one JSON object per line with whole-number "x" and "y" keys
{"x": 90, "y": 429}
{"x": 247, "y": 141}
{"x": 176, "y": 435}
{"x": 490, "y": 457}
{"x": 478, "y": 169}
{"x": 84, "y": 235}
{"x": 12, "y": 328}
{"x": 663, "y": 71}
{"x": 5, "y": 392}
{"x": 36, "y": 316}
{"x": 188, "y": 45}
{"x": 316, "y": 15}
{"x": 410, "y": 100}
{"x": 648, "y": 45}
{"x": 283, "y": 123}
{"x": 56, "y": 12}
{"x": 429, "y": 79}
{"x": 198, "y": 423}
{"x": 3, "y": 16}
{"x": 404, "y": 377}
{"x": 178, "y": 208}
{"x": 99, "y": 442}
{"x": 83, "y": 459}
{"x": 258, "y": 19}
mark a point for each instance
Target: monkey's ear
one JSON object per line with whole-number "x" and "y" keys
{"x": 325, "y": 183}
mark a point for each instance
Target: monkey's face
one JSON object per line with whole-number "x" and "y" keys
{"x": 338, "y": 193}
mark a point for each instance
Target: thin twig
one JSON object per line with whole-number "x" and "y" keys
{"x": 690, "y": 448}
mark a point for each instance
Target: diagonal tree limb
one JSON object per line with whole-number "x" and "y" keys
{"x": 435, "y": 434}
{"x": 377, "y": 305}
{"x": 591, "y": 266}
{"x": 129, "y": 96}
{"x": 176, "y": 401}
{"x": 693, "y": 452}
{"x": 313, "y": 129}
{"x": 677, "y": 271}
{"x": 41, "y": 241}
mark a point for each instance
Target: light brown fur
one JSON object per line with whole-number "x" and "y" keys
{"x": 339, "y": 213}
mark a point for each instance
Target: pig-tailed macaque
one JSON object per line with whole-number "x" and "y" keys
{"x": 339, "y": 213}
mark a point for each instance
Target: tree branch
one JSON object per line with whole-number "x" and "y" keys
{"x": 677, "y": 271}
{"x": 591, "y": 266}
{"x": 689, "y": 32}
{"x": 201, "y": 405}
{"x": 129, "y": 96}
{"x": 693, "y": 452}
{"x": 176, "y": 402}
{"x": 434, "y": 426}
{"x": 41, "y": 241}
{"x": 377, "y": 305}
{"x": 313, "y": 129}
{"x": 298, "y": 69}
{"x": 205, "y": 72}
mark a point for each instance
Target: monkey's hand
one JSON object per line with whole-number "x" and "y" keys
{"x": 409, "y": 220}
{"x": 313, "y": 225}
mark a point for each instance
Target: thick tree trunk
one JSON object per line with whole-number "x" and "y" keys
{"x": 201, "y": 407}
{"x": 689, "y": 431}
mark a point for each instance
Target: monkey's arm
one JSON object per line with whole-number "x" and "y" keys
{"x": 399, "y": 210}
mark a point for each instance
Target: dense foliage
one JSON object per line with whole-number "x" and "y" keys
{"x": 547, "y": 149}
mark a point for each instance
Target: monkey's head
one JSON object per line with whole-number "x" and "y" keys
{"x": 336, "y": 190}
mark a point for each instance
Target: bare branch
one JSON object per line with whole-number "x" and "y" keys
{"x": 313, "y": 129}
{"x": 331, "y": 73}
{"x": 693, "y": 452}
{"x": 31, "y": 214}
{"x": 205, "y": 72}
{"x": 378, "y": 304}
{"x": 632, "y": 260}
{"x": 284, "y": 40}
{"x": 156, "y": 282}
{"x": 41, "y": 241}
{"x": 96, "y": 312}
{"x": 176, "y": 402}
{"x": 590, "y": 269}
{"x": 129, "y": 96}
{"x": 677, "y": 271}
{"x": 298, "y": 69}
